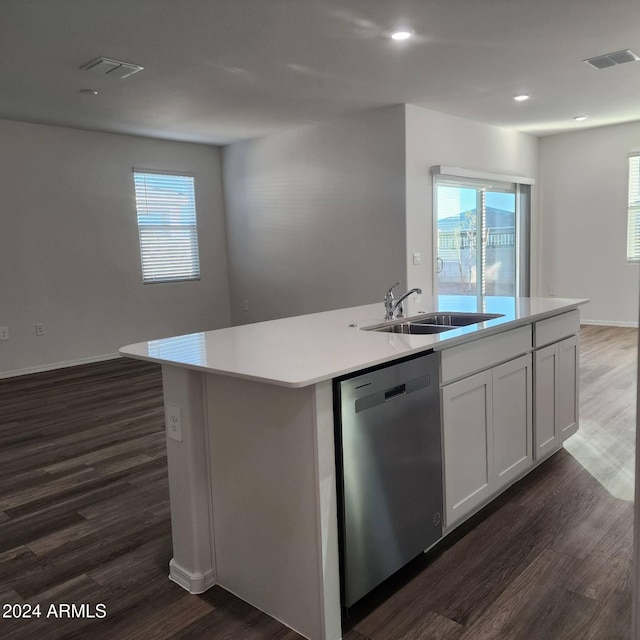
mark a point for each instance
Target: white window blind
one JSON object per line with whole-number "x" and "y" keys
{"x": 633, "y": 228}
{"x": 167, "y": 226}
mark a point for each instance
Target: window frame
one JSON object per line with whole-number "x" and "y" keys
{"x": 185, "y": 267}
{"x": 633, "y": 210}
{"x": 522, "y": 187}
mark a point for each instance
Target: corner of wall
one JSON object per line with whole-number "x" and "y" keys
{"x": 316, "y": 216}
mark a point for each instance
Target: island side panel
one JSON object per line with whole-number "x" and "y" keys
{"x": 192, "y": 565}
{"x": 328, "y": 508}
{"x": 268, "y": 503}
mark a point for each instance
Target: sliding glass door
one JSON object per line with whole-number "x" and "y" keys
{"x": 482, "y": 232}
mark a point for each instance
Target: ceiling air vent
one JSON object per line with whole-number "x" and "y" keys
{"x": 612, "y": 59}
{"x": 113, "y": 68}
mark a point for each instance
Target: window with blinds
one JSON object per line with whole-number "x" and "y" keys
{"x": 633, "y": 219}
{"x": 167, "y": 226}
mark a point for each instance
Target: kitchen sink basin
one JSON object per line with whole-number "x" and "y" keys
{"x": 434, "y": 322}
{"x": 414, "y": 328}
{"x": 456, "y": 319}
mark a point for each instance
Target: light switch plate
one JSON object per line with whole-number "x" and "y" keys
{"x": 174, "y": 422}
{"x": 417, "y": 258}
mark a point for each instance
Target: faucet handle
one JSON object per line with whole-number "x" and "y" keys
{"x": 390, "y": 290}
{"x": 388, "y": 302}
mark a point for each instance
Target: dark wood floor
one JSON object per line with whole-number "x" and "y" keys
{"x": 84, "y": 518}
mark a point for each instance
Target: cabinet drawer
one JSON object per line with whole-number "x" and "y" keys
{"x": 466, "y": 359}
{"x": 556, "y": 328}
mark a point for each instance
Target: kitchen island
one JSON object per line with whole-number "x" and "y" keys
{"x": 250, "y": 437}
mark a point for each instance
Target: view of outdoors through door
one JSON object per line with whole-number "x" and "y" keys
{"x": 476, "y": 227}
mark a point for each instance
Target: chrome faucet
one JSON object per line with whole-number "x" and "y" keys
{"x": 391, "y": 304}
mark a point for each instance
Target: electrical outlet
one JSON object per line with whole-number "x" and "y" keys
{"x": 39, "y": 329}
{"x": 174, "y": 422}
{"x": 245, "y": 305}
{"x": 552, "y": 290}
{"x": 4, "y": 333}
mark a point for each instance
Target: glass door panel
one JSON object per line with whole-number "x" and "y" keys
{"x": 499, "y": 269}
{"x": 457, "y": 231}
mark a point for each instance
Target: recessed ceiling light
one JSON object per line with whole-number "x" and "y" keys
{"x": 580, "y": 118}
{"x": 521, "y": 97}
{"x": 89, "y": 92}
{"x": 402, "y": 34}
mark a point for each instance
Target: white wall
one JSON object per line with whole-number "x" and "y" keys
{"x": 316, "y": 216}
{"x": 435, "y": 138}
{"x": 69, "y": 255}
{"x": 584, "y": 206}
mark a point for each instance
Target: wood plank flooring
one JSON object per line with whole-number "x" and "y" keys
{"x": 84, "y": 518}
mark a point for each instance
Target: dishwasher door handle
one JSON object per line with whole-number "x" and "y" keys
{"x": 390, "y": 393}
{"x": 395, "y": 392}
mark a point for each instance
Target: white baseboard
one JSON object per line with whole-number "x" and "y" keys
{"x": 58, "y": 365}
{"x": 608, "y": 323}
{"x": 192, "y": 582}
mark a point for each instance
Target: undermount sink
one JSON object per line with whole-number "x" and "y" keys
{"x": 413, "y": 328}
{"x": 434, "y": 322}
{"x": 456, "y": 318}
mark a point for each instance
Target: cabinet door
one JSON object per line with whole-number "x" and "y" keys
{"x": 568, "y": 386}
{"x": 468, "y": 444}
{"x": 512, "y": 420}
{"x": 546, "y": 435}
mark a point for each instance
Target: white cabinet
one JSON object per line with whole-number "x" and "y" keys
{"x": 512, "y": 419}
{"x": 487, "y": 426}
{"x": 556, "y": 395}
{"x": 468, "y": 444}
{"x": 568, "y": 386}
{"x": 547, "y": 437}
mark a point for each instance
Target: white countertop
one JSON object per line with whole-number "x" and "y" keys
{"x": 303, "y": 350}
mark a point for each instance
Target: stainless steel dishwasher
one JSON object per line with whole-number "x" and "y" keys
{"x": 389, "y": 470}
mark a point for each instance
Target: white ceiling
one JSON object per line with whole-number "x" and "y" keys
{"x": 221, "y": 70}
